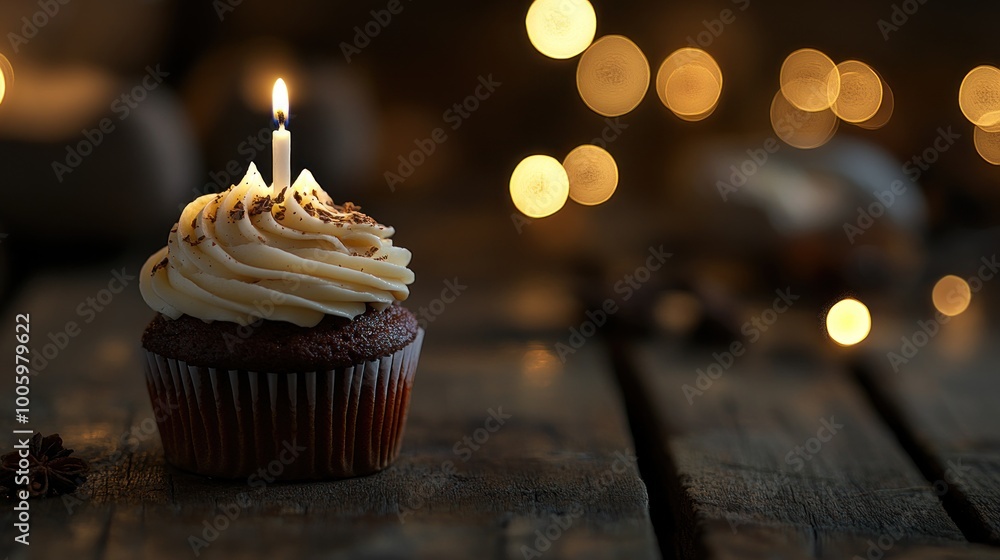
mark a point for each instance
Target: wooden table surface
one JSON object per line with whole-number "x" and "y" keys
{"x": 777, "y": 458}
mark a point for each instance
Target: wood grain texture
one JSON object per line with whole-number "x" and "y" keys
{"x": 753, "y": 477}
{"x": 945, "y": 407}
{"x": 562, "y": 464}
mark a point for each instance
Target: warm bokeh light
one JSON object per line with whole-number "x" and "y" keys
{"x": 613, "y": 76}
{"x": 699, "y": 116}
{"x": 539, "y": 186}
{"x": 689, "y": 83}
{"x": 692, "y": 90}
{"x": 53, "y": 104}
{"x": 560, "y": 28}
{"x": 979, "y": 96}
{"x": 114, "y": 352}
{"x": 537, "y": 302}
{"x": 6, "y": 75}
{"x": 279, "y": 98}
{"x": 540, "y": 366}
{"x": 860, "y": 92}
{"x": 951, "y": 295}
{"x": 848, "y": 322}
{"x": 802, "y": 129}
{"x": 884, "y": 113}
{"x": 593, "y": 174}
{"x": 988, "y": 145}
{"x": 678, "y": 311}
{"x": 810, "y": 80}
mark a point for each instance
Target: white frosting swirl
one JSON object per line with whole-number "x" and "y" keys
{"x": 244, "y": 254}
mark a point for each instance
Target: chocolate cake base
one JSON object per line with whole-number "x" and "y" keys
{"x": 277, "y": 346}
{"x": 331, "y": 419}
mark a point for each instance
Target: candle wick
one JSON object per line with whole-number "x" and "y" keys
{"x": 281, "y": 118}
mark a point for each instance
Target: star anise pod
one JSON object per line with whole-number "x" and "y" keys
{"x": 51, "y": 471}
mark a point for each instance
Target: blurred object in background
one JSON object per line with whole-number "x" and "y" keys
{"x": 89, "y": 155}
{"x": 760, "y": 216}
{"x": 117, "y": 36}
{"x": 816, "y": 216}
{"x": 93, "y": 143}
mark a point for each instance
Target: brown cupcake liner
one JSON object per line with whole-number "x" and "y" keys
{"x": 283, "y": 426}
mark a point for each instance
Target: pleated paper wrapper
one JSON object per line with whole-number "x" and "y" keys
{"x": 283, "y": 426}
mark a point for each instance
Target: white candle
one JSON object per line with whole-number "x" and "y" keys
{"x": 281, "y": 139}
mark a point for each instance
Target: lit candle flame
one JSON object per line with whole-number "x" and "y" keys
{"x": 281, "y": 139}
{"x": 279, "y": 100}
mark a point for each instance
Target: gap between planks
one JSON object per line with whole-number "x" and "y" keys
{"x": 956, "y": 503}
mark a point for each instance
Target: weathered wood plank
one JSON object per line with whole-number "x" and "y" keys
{"x": 944, "y": 406}
{"x": 780, "y": 461}
{"x": 563, "y": 457}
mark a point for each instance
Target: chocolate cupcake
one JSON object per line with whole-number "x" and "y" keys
{"x": 279, "y": 349}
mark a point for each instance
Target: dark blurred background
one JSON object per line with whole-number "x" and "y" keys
{"x": 359, "y": 104}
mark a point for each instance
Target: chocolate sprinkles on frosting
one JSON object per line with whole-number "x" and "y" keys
{"x": 160, "y": 265}
{"x": 238, "y": 211}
